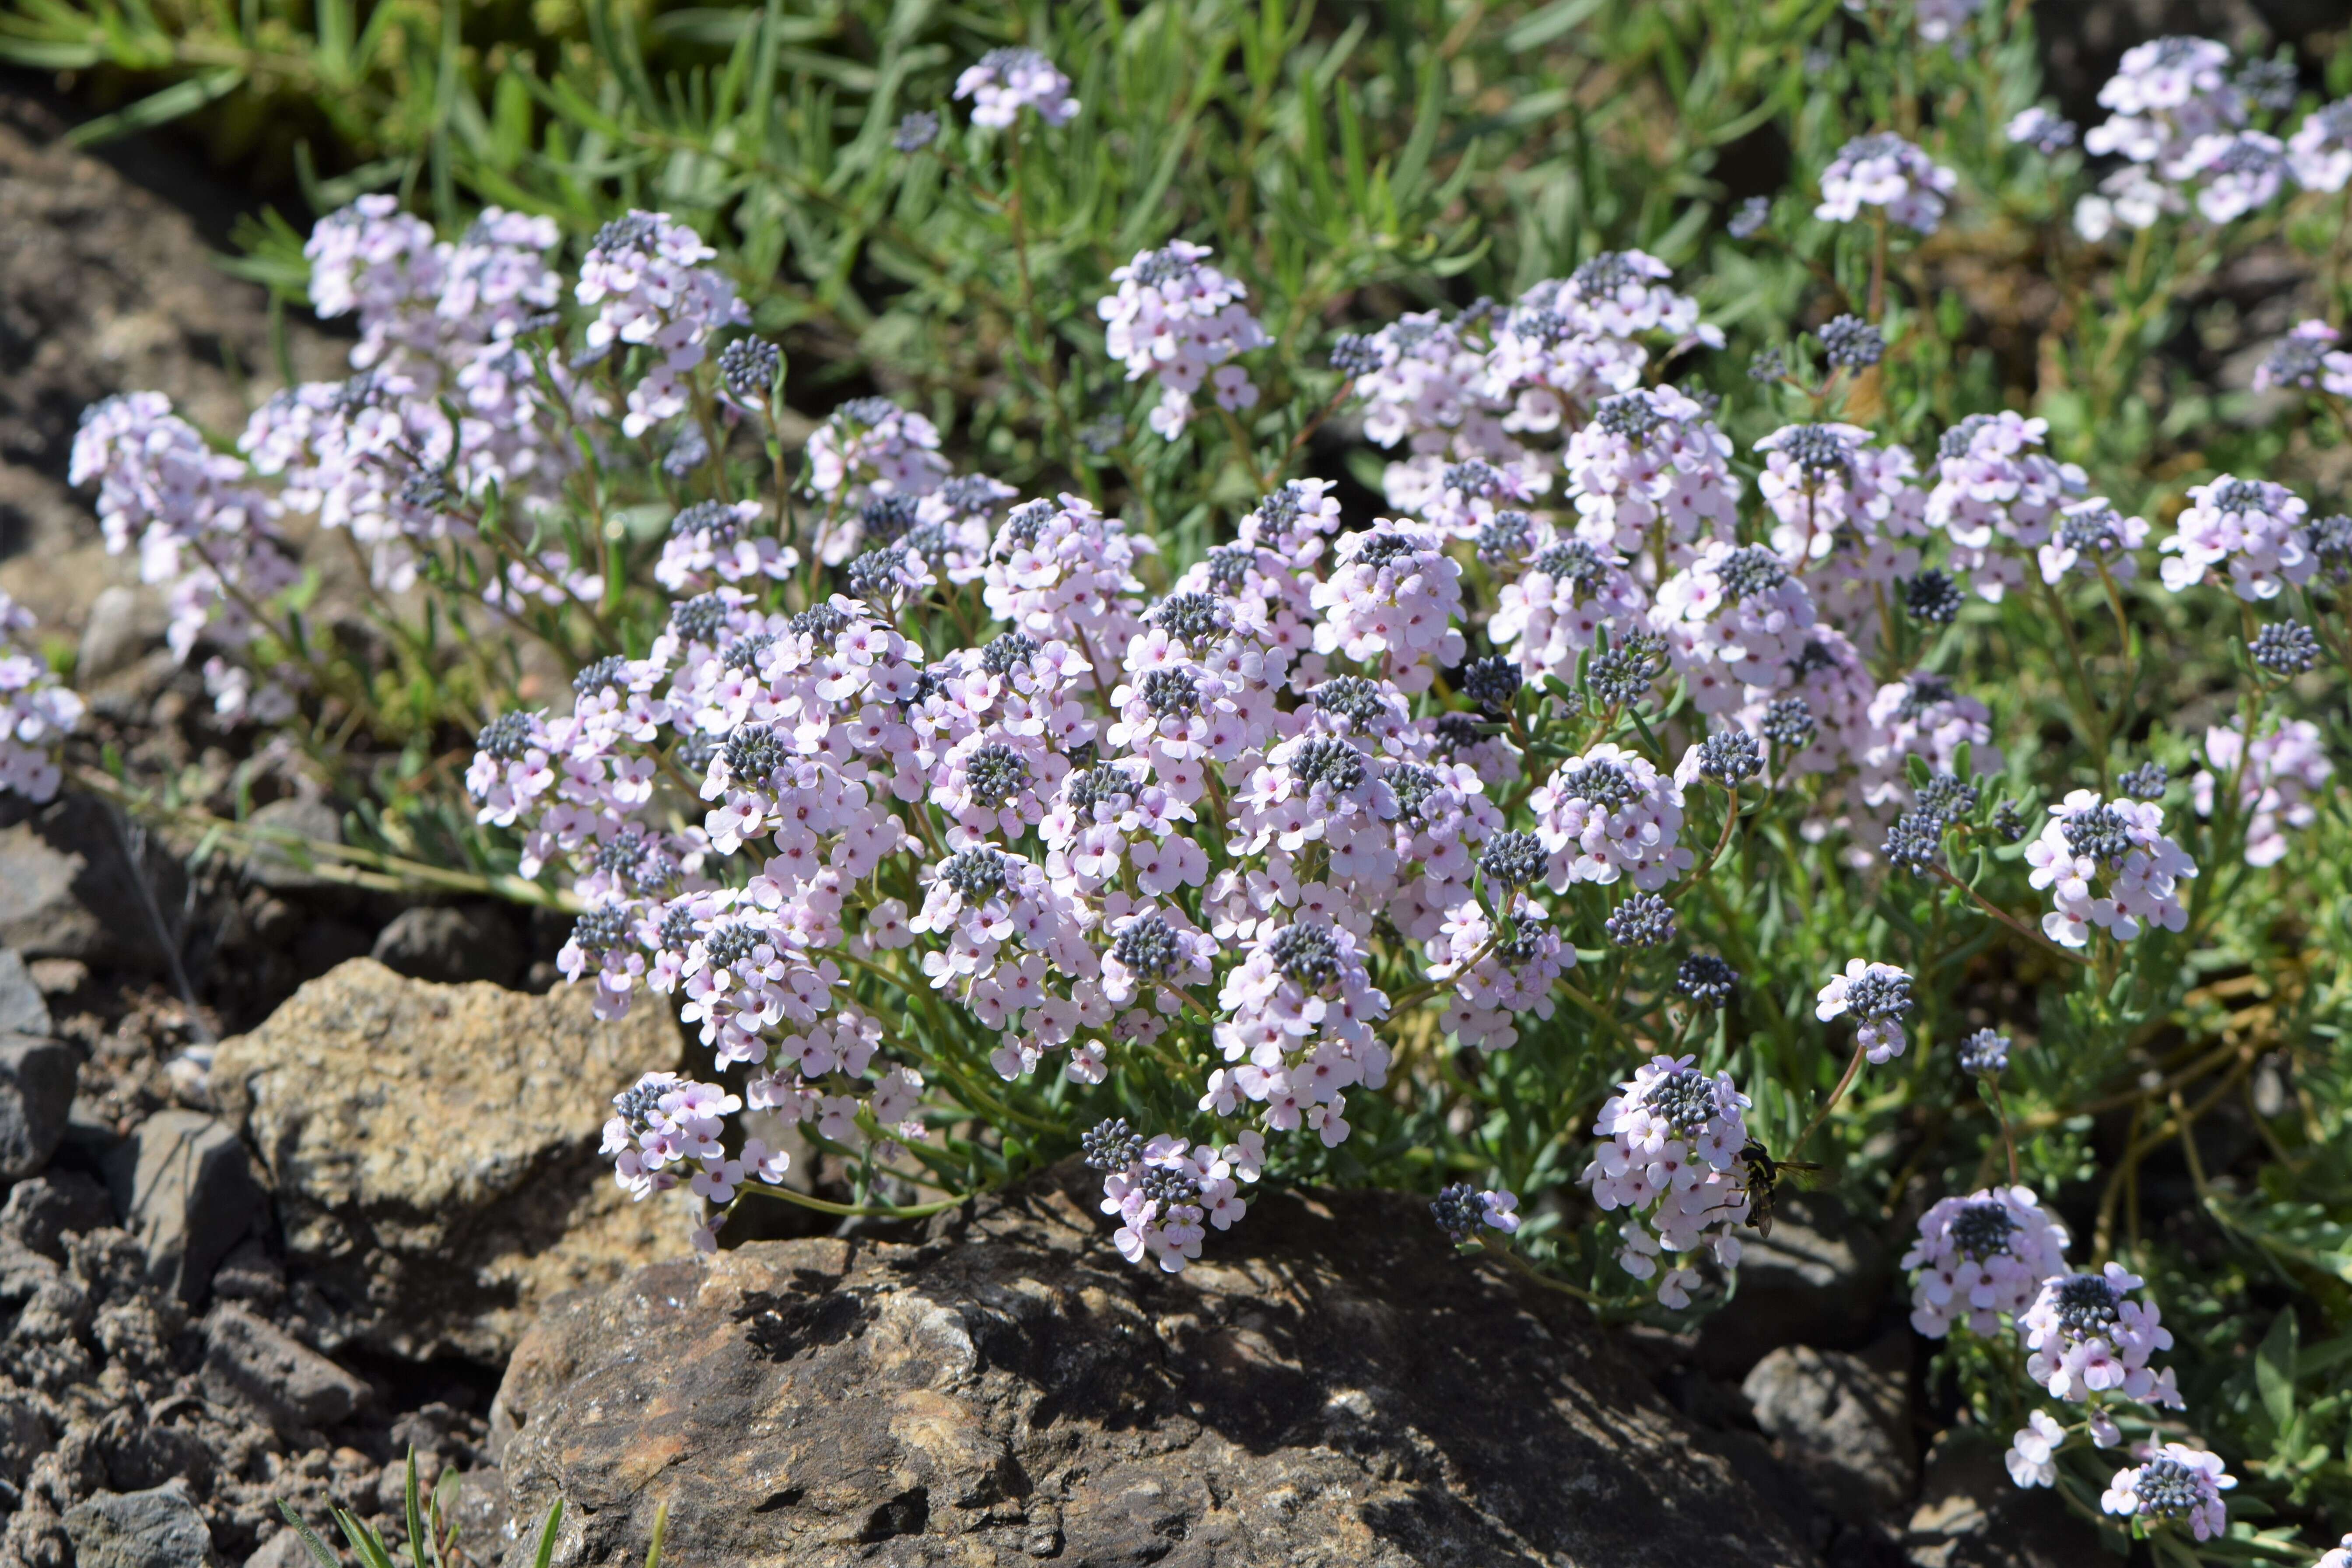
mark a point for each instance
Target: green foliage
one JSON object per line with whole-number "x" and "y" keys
{"x": 433, "y": 1535}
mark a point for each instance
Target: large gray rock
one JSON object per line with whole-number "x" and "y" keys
{"x": 287, "y": 1384}
{"x": 433, "y": 1150}
{"x": 280, "y": 863}
{"x": 36, "y": 1090}
{"x": 186, "y": 1190}
{"x": 156, "y": 1529}
{"x": 1843, "y": 1423}
{"x": 1330, "y": 1386}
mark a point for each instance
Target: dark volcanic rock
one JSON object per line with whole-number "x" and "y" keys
{"x": 287, "y": 1384}
{"x": 1331, "y": 1385}
{"x": 186, "y": 1190}
{"x": 154, "y": 1529}
{"x": 450, "y": 945}
{"x": 69, "y": 890}
{"x": 37, "y": 1089}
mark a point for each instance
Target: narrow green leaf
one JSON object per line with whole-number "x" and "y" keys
{"x": 1553, "y": 21}
{"x": 159, "y": 109}
{"x": 2274, "y": 1369}
{"x": 318, "y": 1549}
{"x": 546, "y": 1554}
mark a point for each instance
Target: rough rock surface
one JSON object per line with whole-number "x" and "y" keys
{"x": 1820, "y": 1279}
{"x": 1332, "y": 1385}
{"x": 450, "y": 944}
{"x": 37, "y": 1089}
{"x": 286, "y": 1382}
{"x": 68, "y": 889}
{"x": 185, "y": 1188}
{"x": 1843, "y": 1423}
{"x": 433, "y": 1151}
{"x": 155, "y": 1528}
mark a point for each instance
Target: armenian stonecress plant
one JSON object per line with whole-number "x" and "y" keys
{"x": 1612, "y": 779}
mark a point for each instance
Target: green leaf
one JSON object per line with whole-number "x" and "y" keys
{"x": 417, "y": 1534}
{"x": 546, "y": 1554}
{"x": 1553, "y": 21}
{"x": 160, "y": 108}
{"x": 2274, "y": 1370}
{"x": 318, "y": 1549}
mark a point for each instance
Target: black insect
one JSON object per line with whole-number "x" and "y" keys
{"x": 1764, "y": 1174}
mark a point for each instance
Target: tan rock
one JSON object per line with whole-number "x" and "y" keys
{"x": 433, "y": 1150}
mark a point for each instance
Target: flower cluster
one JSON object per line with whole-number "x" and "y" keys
{"x": 2108, "y": 864}
{"x": 2088, "y": 1335}
{"x": 2172, "y": 1485}
{"x": 1675, "y": 1159}
{"x": 1997, "y": 494}
{"x": 1180, "y": 320}
{"x": 39, "y": 710}
{"x": 2278, "y": 778}
{"x": 644, "y": 276}
{"x": 1006, "y": 81}
{"x": 1981, "y": 1256}
{"x": 1885, "y": 171}
{"x": 1878, "y": 996}
{"x": 2250, "y": 529}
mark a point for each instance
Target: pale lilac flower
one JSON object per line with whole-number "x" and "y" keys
{"x": 1885, "y": 171}
{"x": 2283, "y": 774}
{"x": 1981, "y": 1257}
{"x": 1006, "y": 81}
{"x": 2320, "y": 150}
{"x": 2252, "y": 529}
{"x": 1675, "y": 1160}
{"x": 2087, "y": 1336}
{"x": 1610, "y": 814}
{"x": 2338, "y": 1556}
{"x": 2133, "y": 196}
{"x": 36, "y": 711}
{"x": 1997, "y": 494}
{"x": 2235, "y": 173}
{"x": 1735, "y": 621}
{"x": 1878, "y": 996}
{"x": 2164, "y": 95}
{"x": 2108, "y": 864}
{"x": 2030, "y": 1456}
{"x": 1568, "y": 342}
{"x": 1178, "y": 318}
{"x": 1651, "y": 465}
{"x": 644, "y": 276}
{"x": 1391, "y": 598}
{"x": 2092, "y": 536}
{"x": 2042, "y": 129}
{"x": 2307, "y": 358}
{"x": 1942, "y": 21}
